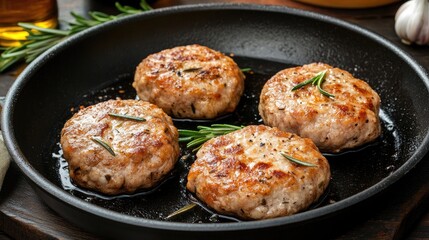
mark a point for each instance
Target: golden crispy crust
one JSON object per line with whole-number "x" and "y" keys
{"x": 348, "y": 120}
{"x": 190, "y": 82}
{"x": 144, "y": 151}
{"x": 244, "y": 174}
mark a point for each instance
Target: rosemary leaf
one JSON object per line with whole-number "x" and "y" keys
{"x": 34, "y": 53}
{"x": 145, "y": 6}
{"x": 316, "y": 81}
{"x": 185, "y": 132}
{"x": 195, "y": 139}
{"x": 325, "y": 92}
{"x": 76, "y": 29}
{"x": 185, "y": 139}
{"x": 12, "y": 54}
{"x": 102, "y": 143}
{"x": 41, "y": 43}
{"x": 198, "y": 141}
{"x": 140, "y": 119}
{"x": 181, "y": 210}
{"x": 246, "y": 69}
{"x": 319, "y": 87}
{"x": 37, "y": 37}
{"x": 82, "y": 21}
{"x": 302, "y": 84}
{"x": 101, "y": 17}
{"x": 297, "y": 161}
{"x": 192, "y": 69}
{"x": 31, "y": 27}
{"x": 6, "y": 63}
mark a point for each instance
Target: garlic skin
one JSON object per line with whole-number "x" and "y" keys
{"x": 412, "y": 22}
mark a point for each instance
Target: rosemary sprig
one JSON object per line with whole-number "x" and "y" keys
{"x": 315, "y": 81}
{"x": 181, "y": 210}
{"x": 41, "y": 39}
{"x": 125, "y": 116}
{"x": 297, "y": 161}
{"x": 102, "y": 143}
{"x": 196, "y": 138}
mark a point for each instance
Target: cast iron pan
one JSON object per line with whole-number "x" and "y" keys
{"x": 98, "y": 64}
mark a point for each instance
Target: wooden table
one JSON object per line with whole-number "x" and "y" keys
{"x": 401, "y": 213}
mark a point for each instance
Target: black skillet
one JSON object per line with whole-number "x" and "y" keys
{"x": 98, "y": 65}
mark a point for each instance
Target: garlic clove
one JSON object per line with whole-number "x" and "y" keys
{"x": 412, "y": 22}
{"x": 401, "y": 20}
{"x": 423, "y": 37}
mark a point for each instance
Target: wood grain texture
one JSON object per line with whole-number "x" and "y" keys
{"x": 420, "y": 230}
{"x": 402, "y": 212}
{"x": 24, "y": 216}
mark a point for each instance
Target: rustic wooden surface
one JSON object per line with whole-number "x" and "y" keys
{"x": 401, "y": 213}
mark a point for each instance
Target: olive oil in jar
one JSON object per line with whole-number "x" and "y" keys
{"x": 43, "y": 13}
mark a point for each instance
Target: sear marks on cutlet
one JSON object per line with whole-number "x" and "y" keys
{"x": 141, "y": 152}
{"x": 244, "y": 174}
{"x": 191, "y": 81}
{"x": 347, "y": 120}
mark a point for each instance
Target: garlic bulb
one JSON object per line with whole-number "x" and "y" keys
{"x": 412, "y": 22}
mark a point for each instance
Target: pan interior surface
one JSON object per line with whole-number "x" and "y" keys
{"x": 93, "y": 66}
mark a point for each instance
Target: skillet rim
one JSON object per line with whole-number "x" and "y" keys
{"x": 61, "y": 195}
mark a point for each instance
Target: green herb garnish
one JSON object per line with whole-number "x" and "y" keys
{"x": 196, "y": 138}
{"x": 297, "y": 161}
{"x": 246, "y": 69}
{"x": 192, "y": 69}
{"x": 102, "y": 143}
{"x": 41, "y": 39}
{"x": 315, "y": 81}
{"x": 181, "y": 210}
{"x": 127, "y": 117}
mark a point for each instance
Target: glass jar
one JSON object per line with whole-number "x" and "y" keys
{"x": 43, "y": 13}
